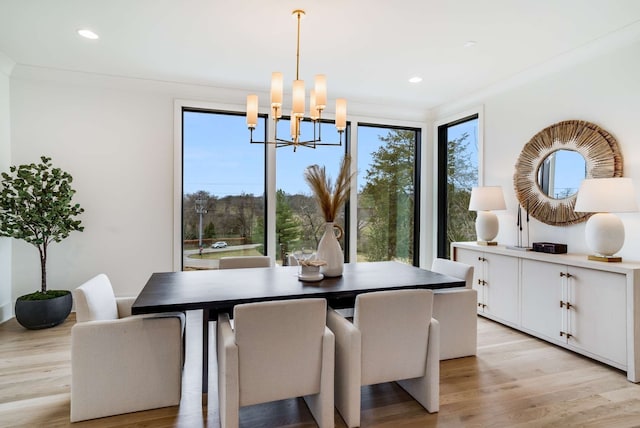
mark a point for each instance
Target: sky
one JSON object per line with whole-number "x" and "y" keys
{"x": 469, "y": 127}
{"x": 219, "y": 159}
{"x": 570, "y": 170}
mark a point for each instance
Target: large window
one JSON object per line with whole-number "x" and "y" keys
{"x": 388, "y": 193}
{"x": 298, "y": 220}
{"x": 223, "y": 202}
{"x": 225, "y": 190}
{"x": 457, "y": 175}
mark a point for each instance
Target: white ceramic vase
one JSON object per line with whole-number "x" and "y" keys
{"x": 329, "y": 250}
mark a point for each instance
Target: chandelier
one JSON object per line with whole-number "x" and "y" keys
{"x": 317, "y": 103}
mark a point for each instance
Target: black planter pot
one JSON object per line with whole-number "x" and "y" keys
{"x": 38, "y": 314}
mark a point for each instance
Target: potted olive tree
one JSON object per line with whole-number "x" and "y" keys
{"x": 36, "y": 206}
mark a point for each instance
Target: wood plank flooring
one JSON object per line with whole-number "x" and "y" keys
{"x": 514, "y": 381}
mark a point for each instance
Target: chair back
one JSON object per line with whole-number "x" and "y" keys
{"x": 454, "y": 269}
{"x": 244, "y": 262}
{"x": 279, "y": 348}
{"x": 95, "y": 300}
{"x": 394, "y": 327}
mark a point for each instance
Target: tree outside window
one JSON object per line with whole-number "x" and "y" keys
{"x": 387, "y": 193}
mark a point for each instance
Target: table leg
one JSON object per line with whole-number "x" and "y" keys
{"x": 205, "y": 354}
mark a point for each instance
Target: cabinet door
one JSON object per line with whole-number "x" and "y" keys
{"x": 598, "y": 316}
{"x": 542, "y": 292}
{"x": 473, "y": 258}
{"x": 501, "y": 288}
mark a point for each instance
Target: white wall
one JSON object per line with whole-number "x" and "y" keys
{"x": 604, "y": 90}
{"x": 6, "y": 65}
{"x": 118, "y": 146}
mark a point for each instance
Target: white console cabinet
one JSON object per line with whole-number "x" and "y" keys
{"x": 589, "y": 307}
{"x": 495, "y": 277}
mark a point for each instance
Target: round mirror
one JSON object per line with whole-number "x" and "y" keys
{"x": 554, "y": 162}
{"x": 561, "y": 172}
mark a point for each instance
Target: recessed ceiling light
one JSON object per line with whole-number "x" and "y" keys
{"x": 470, "y": 43}
{"x": 415, "y": 79}
{"x": 88, "y": 34}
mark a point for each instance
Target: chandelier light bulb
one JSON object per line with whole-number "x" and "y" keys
{"x": 252, "y": 111}
{"x": 276, "y": 89}
{"x": 321, "y": 91}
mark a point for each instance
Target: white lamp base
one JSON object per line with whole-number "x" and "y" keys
{"x": 604, "y": 234}
{"x": 487, "y": 227}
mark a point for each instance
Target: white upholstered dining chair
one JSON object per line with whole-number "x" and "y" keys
{"x": 393, "y": 337}
{"x": 276, "y": 350}
{"x": 122, "y": 363}
{"x": 456, "y": 311}
{"x": 239, "y": 262}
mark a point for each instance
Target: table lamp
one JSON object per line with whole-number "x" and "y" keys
{"x": 483, "y": 200}
{"x": 604, "y": 231}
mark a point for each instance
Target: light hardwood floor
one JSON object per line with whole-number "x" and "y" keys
{"x": 515, "y": 381}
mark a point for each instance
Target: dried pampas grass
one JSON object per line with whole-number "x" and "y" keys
{"x": 330, "y": 199}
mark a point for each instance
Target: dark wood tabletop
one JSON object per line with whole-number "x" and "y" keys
{"x": 220, "y": 290}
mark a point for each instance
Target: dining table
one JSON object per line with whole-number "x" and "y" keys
{"x": 218, "y": 291}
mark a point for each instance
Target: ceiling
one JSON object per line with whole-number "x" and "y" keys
{"x": 367, "y": 49}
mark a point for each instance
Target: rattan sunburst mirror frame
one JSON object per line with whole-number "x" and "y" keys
{"x": 599, "y": 149}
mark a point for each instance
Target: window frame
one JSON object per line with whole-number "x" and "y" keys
{"x": 422, "y": 235}
{"x": 442, "y": 141}
{"x": 180, "y": 107}
{"x": 417, "y": 175}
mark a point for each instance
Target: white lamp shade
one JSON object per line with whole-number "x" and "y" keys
{"x": 298, "y": 98}
{"x": 252, "y": 111}
{"x": 321, "y": 91}
{"x": 606, "y": 195}
{"x": 276, "y": 89}
{"x": 341, "y": 114}
{"x": 313, "y": 109}
{"x": 487, "y": 198}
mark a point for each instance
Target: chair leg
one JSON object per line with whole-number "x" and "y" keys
{"x": 426, "y": 389}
